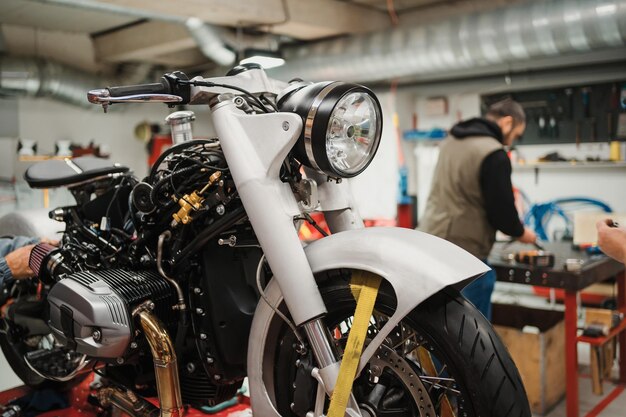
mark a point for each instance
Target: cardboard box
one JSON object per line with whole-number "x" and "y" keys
{"x": 536, "y": 340}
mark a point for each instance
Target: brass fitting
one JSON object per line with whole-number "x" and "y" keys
{"x": 192, "y": 202}
{"x": 188, "y": 203}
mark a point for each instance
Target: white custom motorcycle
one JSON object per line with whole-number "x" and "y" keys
{"x": 194, "y": 277}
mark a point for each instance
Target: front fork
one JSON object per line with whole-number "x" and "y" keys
{"x": 341, "y": 215}
{"x": 271, "y": 206}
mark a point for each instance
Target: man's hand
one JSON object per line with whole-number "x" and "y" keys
{"x": 528, "y": 237}
{"x": 17, "y": 262}
{"x": 612, "y": 240}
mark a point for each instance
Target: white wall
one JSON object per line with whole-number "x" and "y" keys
{"x": 48, "y": 121}
{"x": 460, "y": 106}
{"x": 606, "y": 183}
{"x": 376, "y": 189}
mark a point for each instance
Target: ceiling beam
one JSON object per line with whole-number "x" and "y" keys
{"x": 302, "y": 20}
{"x": 142, "y": 42}
{"x": 182, "y": 59}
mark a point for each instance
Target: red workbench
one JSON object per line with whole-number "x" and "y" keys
{"x": 596, "y": 268}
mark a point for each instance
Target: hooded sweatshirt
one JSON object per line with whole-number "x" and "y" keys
{"x": 495, "y": 177}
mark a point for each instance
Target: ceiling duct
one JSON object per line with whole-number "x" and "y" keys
{"x": 206, "y": 36}
{"x": 508, "y": 35}
{"x": 39, "y": 78}
{"x": 209, "y": 42}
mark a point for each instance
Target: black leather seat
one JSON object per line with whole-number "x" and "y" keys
{"x": 58, "y": 173}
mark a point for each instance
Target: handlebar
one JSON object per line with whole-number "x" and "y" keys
{"x": 127, "y": 90}
{"x": 176, "y": 87}
{"x": 168, "y": 90}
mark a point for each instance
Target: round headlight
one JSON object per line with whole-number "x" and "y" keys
{"x": 342, "y": 126}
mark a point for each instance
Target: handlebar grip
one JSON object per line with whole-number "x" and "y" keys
{"x": 175, "y": 84}
{"x": 154, "y": 88}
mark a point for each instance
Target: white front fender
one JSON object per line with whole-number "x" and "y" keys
{"x": 416, "y": 264}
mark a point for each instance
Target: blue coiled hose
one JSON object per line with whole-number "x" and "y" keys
{"x": 539, "y": 215}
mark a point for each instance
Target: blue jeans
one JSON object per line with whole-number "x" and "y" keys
{"x": 479, "y": 292}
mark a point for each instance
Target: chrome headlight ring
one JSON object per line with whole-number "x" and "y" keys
{"x": 342, "y": 126}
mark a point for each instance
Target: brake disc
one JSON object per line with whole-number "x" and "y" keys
{"x": 387, "y": 358}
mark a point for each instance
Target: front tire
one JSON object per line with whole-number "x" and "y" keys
{"x": 462, "y": 367}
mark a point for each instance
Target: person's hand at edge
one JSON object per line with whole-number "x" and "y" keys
{"x": 612, "y": 239}
{"x": 17, "y": 261}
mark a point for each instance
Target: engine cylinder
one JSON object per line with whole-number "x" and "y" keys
{"x": 91, "y": 311}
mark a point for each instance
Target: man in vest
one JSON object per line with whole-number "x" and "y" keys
{"x": 472, "y": 195}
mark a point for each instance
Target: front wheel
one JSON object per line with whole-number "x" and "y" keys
{"x": 443, "y": 360}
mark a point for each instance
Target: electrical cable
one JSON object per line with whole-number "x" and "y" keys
{"x": 268, "y": 102}
{"x": 215, "y": 228}
{"x": 204, "y": 165}
{"x": 276, "y": 310}
{"x": 157, "y": 187}
{"x": 228, "y": 86}
{"x": 117, "y": 190}
{"x": 313, "y": 223}
{"x": 179, "y": 147}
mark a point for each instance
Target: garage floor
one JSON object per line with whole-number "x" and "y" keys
{"x": 611, "y": 404}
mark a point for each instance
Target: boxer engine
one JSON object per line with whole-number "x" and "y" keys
{"x": 91, "y": 312}
{"x": 121, "y": 318}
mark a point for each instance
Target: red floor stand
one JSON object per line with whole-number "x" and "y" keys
{"x": 79, "y": 407}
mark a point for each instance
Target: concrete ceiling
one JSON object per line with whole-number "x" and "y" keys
{"x": 151, "y": 31}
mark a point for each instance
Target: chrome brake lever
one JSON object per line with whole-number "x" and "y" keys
{"x": 103, "y": 97}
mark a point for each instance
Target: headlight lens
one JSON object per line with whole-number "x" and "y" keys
{"x": 352, "y": 134}
{"x": 342, "y": 126}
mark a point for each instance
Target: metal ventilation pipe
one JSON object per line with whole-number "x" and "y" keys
{"x": 44, "y": 78}
{"x": 532, "y": 30}
{"x": 206, "y": 36}
{"x": 209, "y": 42}
{"x": 20, "y": 76}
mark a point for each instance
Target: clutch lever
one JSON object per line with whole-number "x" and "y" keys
{"x": 103, "y": 97}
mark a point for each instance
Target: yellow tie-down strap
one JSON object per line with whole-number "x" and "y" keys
{"x": 364, "y": 286}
